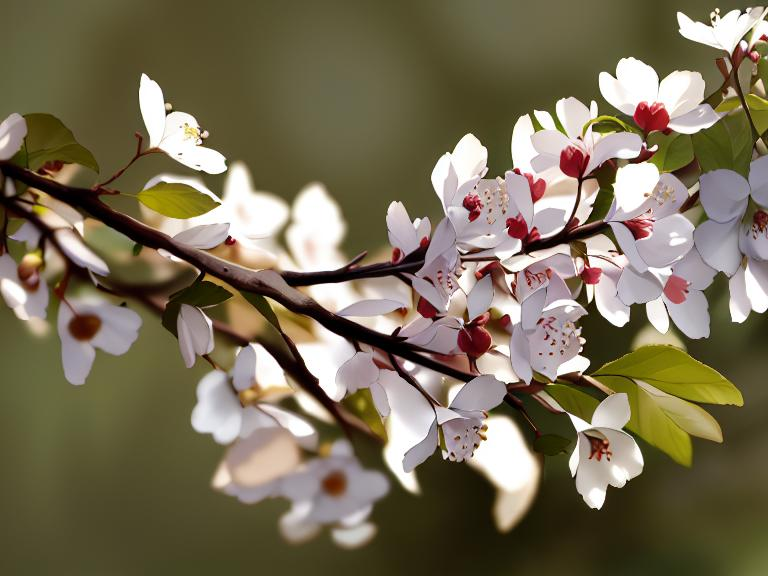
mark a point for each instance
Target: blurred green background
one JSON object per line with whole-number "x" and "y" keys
{"x": 110, "y": 478}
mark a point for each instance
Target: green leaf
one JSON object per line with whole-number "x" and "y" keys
{"x": 176, "y": 200}
{"x": 573, "y": 401}
{"x": 727, "y": 144}
{"x": 673, "y": 371}
{"x": 202, "y": 294}
{"x": 675, "y": 151}
{"x": 606, "y": 124}
{"x": 137, "y": 248}
{"x": 262, "y": 305}
{"x": 649, "y": 421}
{"x": 48, "y": 140}
{"x": 361, "y": 405}
{"x": 758, "y": 108}
{"x": 551, "y": 444}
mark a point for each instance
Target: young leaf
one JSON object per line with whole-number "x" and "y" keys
{"x": 673, "y": 371}
{"x": 176, "y": 200}
{"x": 573, "y": 401}
{"x": 262, "y": 305}
{"x": 49, "y": 140}
{"x": 202, "y": 294}
{"x": 727, "y": 144}
{"x": 606, "y": 124}
{"x": 675, "y": 151}
{"x": 551, "y": 444}
{"x": 361, "y": 405}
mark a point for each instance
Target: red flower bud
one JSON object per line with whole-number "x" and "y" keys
{"x": 651, "y": 117}
{"x": 573, "y": 162}
{"x": 474, "y": 341}
{"x": 425, "y": 308}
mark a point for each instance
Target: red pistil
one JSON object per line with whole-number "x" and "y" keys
{"x": 598, "y": 447}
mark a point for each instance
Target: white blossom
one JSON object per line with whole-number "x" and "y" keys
{"x": 604, "y": 454}
{"x": 723, "y": 33}
{"x": 178, "y": 134}
{"x": 195, "y": 332}
{"x": 87, "y": 324}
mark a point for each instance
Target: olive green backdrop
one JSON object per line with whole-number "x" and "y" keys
{"x": 110, "y": 478}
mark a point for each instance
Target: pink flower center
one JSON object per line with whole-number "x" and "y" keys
{"x": 517, "y": 227}
{"x": 641, "y": 226}
{"x": 676, "y": 289}
{"x": 599, "y": 447}
{"x": 591, "y": 275}
{"x": 651, "y": 117}
{"x": 473, "y": 205}
{"x": 759, "y": 224}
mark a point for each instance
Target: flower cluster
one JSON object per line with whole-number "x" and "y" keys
{"x": 471, "y": 323}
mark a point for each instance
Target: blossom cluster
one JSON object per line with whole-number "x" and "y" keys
{"x": 472, "y": 320}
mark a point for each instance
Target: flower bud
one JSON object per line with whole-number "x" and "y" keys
{"x": 651, "y": 117}
{"x": 573, "y": 162}
{"x": 29, "y": 270}
{"x": 425, "y": 308}
{"x": 474, "y": 341}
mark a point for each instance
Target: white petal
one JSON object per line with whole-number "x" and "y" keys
{"x": 204, "y": 236}
{"x": 401, "y": 232}
{"x": 613, "y": 412}
{"x": 119, "y": 329}
{"x": 681, "y": 92}
{"x": 469, "y": 158}
{"x": 195, "y": 333}
{"x": 12, "y": 132}
{"x": 522, "y": 148}
{"x": 634, "y": 183}
{"x": 700, "y": 118}
{"x": 371, "y": 308}
{"x": 77, "y": 356}
{"x": 616, "y": 145}
{"x": 303, "y": 431}
{"x": 244, "y": 369}
{"x": 357, "y": 372}
{"x": 413, "y": 417}
{"x": 354, "y": 537}
{"x": 72, "y": 245}
{"x": 218, "y": 410}
{"x": 480, "y": 297}
{"x": 657, "y": 315}
{"x": 152, "y": 107}
{"x": 671, "y": 239}
{"x": 482, "y": 393}
{"x": 756, "y": 283}
{"x": 724, "y": 194}
{"x": 692, "y": 315}
{"x": 758, "y": 180}
{"x": 718, "y": 245}
{"x": 739, "y": 303}
{"x": 573, "y": 115}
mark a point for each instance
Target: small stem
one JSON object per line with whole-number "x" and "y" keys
{"x": 139, "y": 153}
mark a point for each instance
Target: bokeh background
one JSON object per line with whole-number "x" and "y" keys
{"x": 109, "y": 478}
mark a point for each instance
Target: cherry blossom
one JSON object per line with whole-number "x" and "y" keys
{"x": 672, "y": 104}
{"x": 735, "y": 238}
{"x": 23, "y": 287}
{"x": 461, "y": 423}
{"x": 178, "y": 134}
{"x": 579, "y": 150}
{"x": 195, "y": 331}
{"x": 724, "y": 33}
{"x": 87, "y": 324}
{"x": 12, "y": 132}
{"x": 644, "y": 216}
{"x": 605, "y": 455}
{"x": 405, "y": 236}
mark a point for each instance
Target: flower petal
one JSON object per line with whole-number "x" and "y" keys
{"x": 152, "y": 107}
